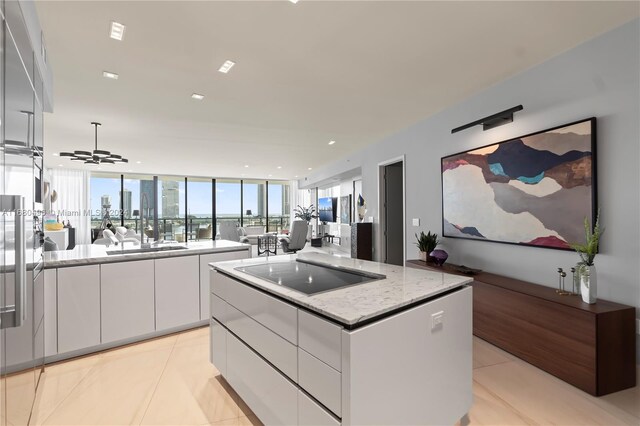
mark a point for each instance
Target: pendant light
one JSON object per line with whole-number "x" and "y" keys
{"x": 98, "y": 156}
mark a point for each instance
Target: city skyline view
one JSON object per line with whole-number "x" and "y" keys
{"x": 199, "y": 197}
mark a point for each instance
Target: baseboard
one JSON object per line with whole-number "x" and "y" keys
{"x": 111, "y": 345}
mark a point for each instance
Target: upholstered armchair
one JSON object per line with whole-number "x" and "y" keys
{"x": 125, "y": 235}
{"x": 230, "y": 231}
{"x": 297, "y": 237}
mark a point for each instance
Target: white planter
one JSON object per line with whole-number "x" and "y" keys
{"x": 588, "y": 283}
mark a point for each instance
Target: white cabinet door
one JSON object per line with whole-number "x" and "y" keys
{"x": 50, "y": 312}
{"x": 78, "y": 307}
{"x": 205, "y": 259}
{"x": 127, "y": 300}
{"x": 177, "y": 291}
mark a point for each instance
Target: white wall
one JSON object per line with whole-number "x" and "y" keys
{"x": 599, "y": 78}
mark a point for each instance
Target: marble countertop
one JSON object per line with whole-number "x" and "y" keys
{"x": 357, "y": 303}
{"x": 90, "y": 254}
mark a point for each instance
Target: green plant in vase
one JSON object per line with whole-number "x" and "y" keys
{"x": 305, "y": 213}
{"x": 586, "y": 268}
{"x": 426, "y": 243}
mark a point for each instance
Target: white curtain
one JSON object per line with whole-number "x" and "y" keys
{"x": 74, "y": 199}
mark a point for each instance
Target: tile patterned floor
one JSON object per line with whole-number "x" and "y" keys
{"x": 169, "y": 381}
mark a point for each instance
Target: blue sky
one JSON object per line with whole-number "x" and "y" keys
{"x": 199, "y": 193}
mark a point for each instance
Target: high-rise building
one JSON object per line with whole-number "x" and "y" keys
{"x": 170, "y": 199}
{"x": 146, "y": 192}
{"x": 126, "y": 203}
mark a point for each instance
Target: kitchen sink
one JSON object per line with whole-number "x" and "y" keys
{"x": 145, "y": 250}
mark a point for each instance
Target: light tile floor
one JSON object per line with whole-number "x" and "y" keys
{"x": 169, "y": 381}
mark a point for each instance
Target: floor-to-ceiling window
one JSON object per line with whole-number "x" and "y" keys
{"x": 105, "y": 200}
{"x": 228, "y": 201}
{"x": 187, "y": 208}
{"x": 279, "y": 208}
{"x": 200, "y": 208}
{"x": 171, "y": 209}
{"x": 254, "y": 203}
{"x": 135, "y": 214}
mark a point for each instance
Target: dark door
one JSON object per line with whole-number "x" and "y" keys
{"x": 394, "y": 214}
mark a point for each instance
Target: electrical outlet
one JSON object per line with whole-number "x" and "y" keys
{"x": 437, "y": 320}
{"x": 416, "y": 222}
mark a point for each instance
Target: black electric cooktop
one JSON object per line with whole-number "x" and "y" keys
{"x": 309, "y": 277}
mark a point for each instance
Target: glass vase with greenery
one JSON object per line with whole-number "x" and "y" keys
{"x": 586, "y": 268}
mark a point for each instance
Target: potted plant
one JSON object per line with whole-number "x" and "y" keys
{"x": 586, "y": 269}
{"x": 426, "y": 244}
{"x": 306, "y": 213}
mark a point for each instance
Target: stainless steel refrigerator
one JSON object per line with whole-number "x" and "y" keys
{"x": 21, "y": 195}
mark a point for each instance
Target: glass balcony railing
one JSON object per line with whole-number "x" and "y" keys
{"x": 197, "y": 228}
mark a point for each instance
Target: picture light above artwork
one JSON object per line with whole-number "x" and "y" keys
{"x": 491, "y": 121}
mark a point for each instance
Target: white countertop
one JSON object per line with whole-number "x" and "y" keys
{"x": 357, "y": 303}
{"x": 88, "y": 254}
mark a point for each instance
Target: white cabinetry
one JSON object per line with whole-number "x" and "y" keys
{"x": 50, "y": 312}
{"x": 312, "y": 414}
{"x": 177, "y": 291}
{"x": 127, "y": 300}
{"x": 78, "y": 307}
{"x": 205, "y": 259}
{"x": 273, "y": 398}
{"x": 18, "y": 343}
{"x": 218, "y": 343}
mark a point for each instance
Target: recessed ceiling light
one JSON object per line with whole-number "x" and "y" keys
{"x": 55, "y": 154}
{"x": 59, "y": 165}
{"x": 246, "y": 166}
{"x": 110, "y": 75}
{"x": 197, "y": 96}
{"x": 270, "y": 175}
{"x": 117, "y": 31}
{"x": 309, "y": 168}
{"x": 226, "y": 66}
{"x": 138, "y": 162}
{"x": 294, "y": 1}
{"x": 332, "y": 142}
{"x": 296, "y": 176}
{"x": 279, "y": 167}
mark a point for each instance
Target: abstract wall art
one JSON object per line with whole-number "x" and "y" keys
{"x": 533, "y": 190}
{"x": 345, "y": 209}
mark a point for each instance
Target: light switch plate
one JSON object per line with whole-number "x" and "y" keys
{"x": 416, "y": 222}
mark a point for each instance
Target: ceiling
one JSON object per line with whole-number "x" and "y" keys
{"x": 305, "y": 74}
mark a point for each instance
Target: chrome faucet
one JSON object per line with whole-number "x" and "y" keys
{"x": 143, "y": 197}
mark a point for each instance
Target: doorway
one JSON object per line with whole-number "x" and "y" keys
{"x": 392, "y": 203}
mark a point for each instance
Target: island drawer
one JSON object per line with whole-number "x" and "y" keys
{"x": 218, "y": 342}
{"x": 320, "y": 381}
{"x": 310, "y": 413}
{"x": 320, "y": 338}
{"x": 218, "y": 309}
{"x": 278, "y": 316}
{"x": 272, "y": 397}
{"x": 278, "y": 351}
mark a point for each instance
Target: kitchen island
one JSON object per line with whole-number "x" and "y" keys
{"x": 98, "y": 297}
{"x": 315, "y": 339}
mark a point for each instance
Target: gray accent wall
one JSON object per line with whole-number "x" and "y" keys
{"x": 600, "y": 78}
